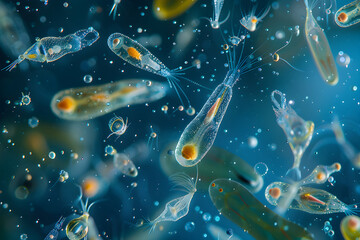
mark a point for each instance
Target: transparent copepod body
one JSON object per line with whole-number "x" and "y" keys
{"x": 237, "y": 204}
{"x": 199, "y": 135}
{"x": 298, "y": 132}
{"x": 136, "y": 54}
{"x": 311, "y": 200}
{"x": 348, "y": 15}
{"x": 90, "y": 102}
{"x": 125, "y": 165}
{"x": 49, "y": 49}
{"x": 320, "y": 49}
{"x": 78, "y": 228}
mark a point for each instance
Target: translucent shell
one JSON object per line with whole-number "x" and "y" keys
{"x": 311, "y": 200}
{"x": 320, "y": 49}
{"x": 49, "y": 49}
{"x": 348, "y": 15}
{"x": 298, "y": 131}
{"x": 137, "y": 55}
{"x": 93, "y": 101}
{"x": 125, "y": 165}
{"x": 199, "y": 135}
{"x": 78, "y": 228}
{"x": 237, "y": 204}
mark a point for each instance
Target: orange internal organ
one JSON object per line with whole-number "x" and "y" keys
{"x": 90, "y": 187}
{"x": 128, "y": 89}
{"x": 189, "y": 152}
{"x": 343, "y": 17}
{"x": 337, "y": 166}
{"x": 353, "y": 223}
{"x": 32, "y": 56}
{"x": 100, "y": 97}
{"x": 275, "y": 192}
{"x": 67, "y": 104}
{"x": 134, "y": 53}
{"x": 320, "y": 176}
{"x": 309, "y": 197}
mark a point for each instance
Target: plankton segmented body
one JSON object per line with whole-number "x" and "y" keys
{"x": 199, "y": 135}
{"x": 54, "y": 233}
{"x": 137, "y": 55}
{"x": 50, "y": 49}
{"x": 251, "y": 20}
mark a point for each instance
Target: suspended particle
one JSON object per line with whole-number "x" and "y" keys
{"x": 343, "y": 59}
{"x": 190, "y": 226}
{"x": 252, "y": 142}
{"x": 190, "y": 111}
{"x": 88, "y": 78}
{"x": 52, "y": 155}
{"x": 280, "y": 34}
{"x": 229, "y": 232}
{"x": 21, "y": 193}
{"x": 23, "y": 236}
{"x": 261, "y": 168}
{"x": 25, "y": 100}
{"x": 110, "y": 150}
{"x": 63, "y": 176}
{"x": 33, "y": 122}
{"x": 74, "y": 156}
{"x": 206, "y": 217}
{"x": 181, "y": 108}
{"x": 164, "y": 108}
{"x": 148, "y": 83}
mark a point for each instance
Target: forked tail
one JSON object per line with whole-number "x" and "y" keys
{"x": 13, "y": 64}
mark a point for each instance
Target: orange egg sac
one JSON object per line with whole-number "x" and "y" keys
{"x": 134, "y": 53}
{"x": 189, "y": 152}
{"x": 66, "y": 104}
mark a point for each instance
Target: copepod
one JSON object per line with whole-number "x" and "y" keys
{"x": 199, "y": 135}
{"x": 49, "y": 49}
{"x": 137, "y": 55}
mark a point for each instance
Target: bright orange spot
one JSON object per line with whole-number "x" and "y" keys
{"x": 66, "y": 104}
{"x": 353, "y": 224}
{"x": 320, "y": 176}
{"x": 343, "y": 17}
{"x": 337, "y": 166}
{"x": 221, "y": 190}
{"x": 254, "y": 20}
{"x": 134, "y": 53}
{"x": 189, "y": 152}
{"x": 90, "y": 187}
{"x": 128, "y": 89}
{"x": 275, "y": 192}
{"x": 213, "y": 184}
{"x": 101, "y": 97}
{"x": 32, "y": 56}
